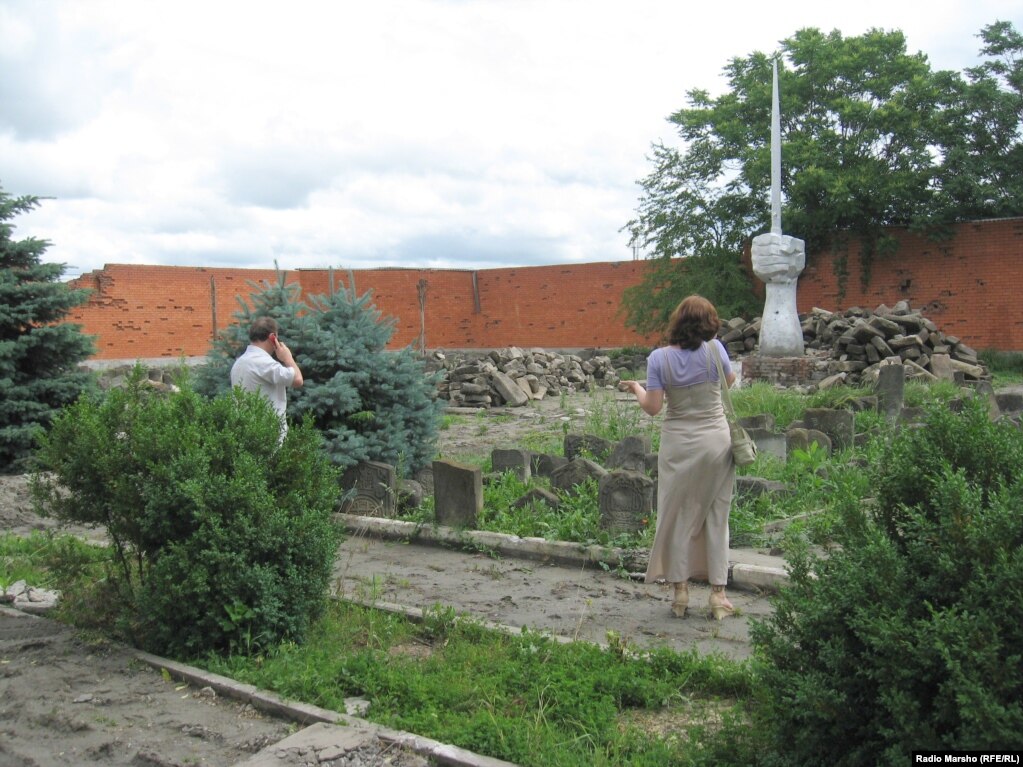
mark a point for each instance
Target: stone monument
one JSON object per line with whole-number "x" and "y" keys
{"x": 778, "y": 260}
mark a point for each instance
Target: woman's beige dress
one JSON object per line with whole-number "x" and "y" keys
{"x": 694, "y": 486}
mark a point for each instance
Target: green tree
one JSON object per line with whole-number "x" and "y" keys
{"x": 979, "y": 134}
{"x": 369, "y": 403}
{"x": 39, "y": 354}
{"x": 872, "y": 138}
{"x": 223, "y": 537}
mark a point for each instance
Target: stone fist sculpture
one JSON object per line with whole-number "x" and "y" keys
{"x": 777, "y": 260}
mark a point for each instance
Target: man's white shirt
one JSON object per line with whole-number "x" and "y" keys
{"x": 256, "y": 370}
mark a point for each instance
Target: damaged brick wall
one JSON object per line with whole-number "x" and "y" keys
{"x": 970, "y": 286}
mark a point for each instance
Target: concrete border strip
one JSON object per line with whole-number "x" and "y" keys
{"x": 740, "y": 574}
{"x": 306, "y": 714}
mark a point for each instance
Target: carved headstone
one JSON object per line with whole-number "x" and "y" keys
{"x": 457, "y": 493}
{"x": 372, "y": 486}
{"x": 626, "y": 501}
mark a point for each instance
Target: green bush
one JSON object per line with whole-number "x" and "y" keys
{"x": 908, "y": 635}
{"x": 223, "y": 539}
{"x": 370, "y": 404}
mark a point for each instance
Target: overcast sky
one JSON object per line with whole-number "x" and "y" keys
{"x": 361, "y": 133}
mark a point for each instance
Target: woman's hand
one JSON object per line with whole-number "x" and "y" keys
{"x": 649, "y": 401}
{"x": 631, "y": 386}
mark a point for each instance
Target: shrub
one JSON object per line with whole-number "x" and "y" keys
{"x": 908, "y": 636}
{"x": 222, "y": 539}
{"x": 369, "y": 403}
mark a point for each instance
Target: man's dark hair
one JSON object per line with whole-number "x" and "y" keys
{"x": 261, "y": 328}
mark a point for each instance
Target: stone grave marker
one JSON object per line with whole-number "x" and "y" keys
{"x": 630, "y": 454}
{"x": 544, "y": 465}
{"x": 626, "y": 501}
{"x": 374, "y": 486}
{"x": 597, "y": 447}
{"x": 839, "y": 425}
{"x": 511, "y": 460}
{"x": 891, "y": 386}
{"x": 574, "y": 473}
{"x": 457, "y": 493}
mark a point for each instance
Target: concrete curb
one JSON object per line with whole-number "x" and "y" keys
{"x": 306, "y": 714}
{"x": 741, "y": 574}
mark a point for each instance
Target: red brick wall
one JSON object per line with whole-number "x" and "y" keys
{"x": 970, "y": 286}
{"x": 167, "y": 311}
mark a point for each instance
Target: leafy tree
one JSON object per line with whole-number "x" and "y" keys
{"x": 369, "y": 403}
{"x": 979, "y": 134}
{"x": 223, "y": 538}
{"x": 39, "y": 354}
{"x": 872, "y": 138}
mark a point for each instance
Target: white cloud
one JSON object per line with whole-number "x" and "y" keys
{"x": 404, "y": 132}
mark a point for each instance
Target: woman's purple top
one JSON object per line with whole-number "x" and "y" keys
{"x": 688, "y": 367}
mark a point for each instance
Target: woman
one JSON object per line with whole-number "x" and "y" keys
{"x": 694, "y": 464}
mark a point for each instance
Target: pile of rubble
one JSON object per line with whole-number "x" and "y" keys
{"x": 513, "y": 376}
{"x": 853, "y": 344}
{"x": 843, "y": 347}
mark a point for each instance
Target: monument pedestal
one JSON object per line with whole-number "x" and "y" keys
{"x": 785, "y": 371}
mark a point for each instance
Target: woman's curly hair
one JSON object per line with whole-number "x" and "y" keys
{"x": 694, "y": 321}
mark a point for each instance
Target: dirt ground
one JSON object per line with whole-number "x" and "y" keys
{"x": 69, "y": 699}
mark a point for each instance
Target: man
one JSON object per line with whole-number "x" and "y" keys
{"x": 257, "y": 370}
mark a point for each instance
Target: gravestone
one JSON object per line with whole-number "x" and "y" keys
{"x": 574, "y": 473}
{"x": 941, "y": 366}
{"x": 597, "y": 447}
{"x": 457, "y": 493}
{"x": 651, "y": 464}
{"x": 770, "y": 443}
{"x": 986, "y": 392}
{"x": 891, "y": 386}
{"x": 761, "y": 421}
{"x": 626, "y": 501}
{"x": 410, "y": 495}
{"x": 535, "y": 496}
{"x": 425, "y": 478}
{"x": 839, "y": 425}
{"x": 801, "y": 439}
{"x": 544, "y": 465}
{"x": 630, "y": 454}
{"x": 511, "y": 460}
{"x": 373, "y": 489}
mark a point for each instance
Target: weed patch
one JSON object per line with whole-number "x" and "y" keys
{"x": 523, "y": 698}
